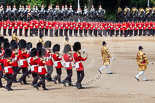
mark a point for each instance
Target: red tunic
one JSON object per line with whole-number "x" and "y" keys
{"x": 68, "y": 59}
{"x": 7, "y": 66}
{"x": 23, "y": 59}
{"x": 41, "y": 67}
{"x": 49, "y": 62}
{"x": 57, "y": 62}
{"x": 16, "y": 62}
{"x": 34, "y": 65}
{"x": 78, "y": 64}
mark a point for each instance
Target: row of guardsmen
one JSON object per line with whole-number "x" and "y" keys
{"x": 53, "y": 28}
{"x": 39, "y": 61}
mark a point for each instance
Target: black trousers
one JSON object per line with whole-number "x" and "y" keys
{"x": 42, "y": 81}
{"x": 95, "y": 32}
{"x": 111, "y": 32}
{"x": 9, "y": 80}
{"x": 90, "y": 32}
{"x": 75, "y": 32}
{"x": 26, "y": 30}
{"x": 36, "y": 31}
{"x": 49, "y": 72}
{"x": 70, "y": 32}
{"x": 100, "y": 32}
{"x": 131, "y": 32}
{"x": 51, "y": 32}
{"x": 154, "y": 32}
{"x": 56, "y": 32}
{"x": 58, "y": 76}
{"x": 140, "y": 32}
{"x": 117, "y": 32}
{"x": 1, "y": 74}
{"x": 85, "y": 32}
{"x": 15, "y": 30}
{"x": 144, "y": 32}
{"x": 66, "y": 32}
{"x": 10, "y": 32}
{"x": 69, "y": 76}
{"x": 20, "y": 32}
{"x": 42, "y": 31}
{"x": 125, "y": 33}
{"x": 35, "y": 78}
{"x": 80, "y": 32}
{"x": 31, "y": 32}
{"x": 4, "y": 32}
{"x": 80, "y": 76}
{"x": 46, "y": 32}
{"x": 23, "y": 77}
{"x": 61, "y": 32}
{"x": 15, "y": 72}
{"x": 135, "y": 32}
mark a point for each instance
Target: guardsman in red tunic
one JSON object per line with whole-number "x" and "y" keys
{"x": 111, "y": 29}
{"x": 71, "y": 27}
{"x": 36, "y": 27}
{"x": 81, "y": 29}
{"x": 8, "y": 70}
{"x": 56, "y": 27}
{"x": 20, "y": 23}
{"x": 50, "y": 23}
{"x": 31, "y": 28}
{"x": 41, "y": 69}
{"x": 10, "y": 28}
{"x": 26, "y": 28}
{"x": 1, "y": 69}
{"x": 76, "y": 29}
{"x": 15, "y": 27}
{"x": 49, "y": 62}
{"x": 66, "y": 29}
{"x": 149, "y": 28}
{"x": 61, "y": 28}
{"x": 57, "y": 62}
{"x": 41, "y": 22}
{"x": 14, "y": 47}
{"x": 78, "y": 64}
{"x": 117, "y": 29}
{"x": 68, "y": 65}
{"x": 4, "y": 28}
{"x": 106, "y": 29}
{"x": 135, "y": 29}
{"x": 140, "y": 28}
{"x": 121, "y": 28}
{"x": 144, "y": 28}
{"x": 34, "y": 65}
{"x": 22, "y": 57}
{"x": 46, "y": 28}
{"x": 86, "y": 29}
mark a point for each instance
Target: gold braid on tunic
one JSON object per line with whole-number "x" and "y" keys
{"x": 142, "y": 61}
{"x": 105, "y": 55}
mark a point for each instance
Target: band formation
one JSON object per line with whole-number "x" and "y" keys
{"x": 68, "y": 22}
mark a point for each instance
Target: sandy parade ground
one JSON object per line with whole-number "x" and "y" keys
{"x": 120, "y": 87}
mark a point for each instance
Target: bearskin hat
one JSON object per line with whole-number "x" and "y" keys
{"x": 103, "y": 43}
{"x": 1, "y": 39}
{"x": 22, "y": 44}
{"x": 77, "y": 46}
{"x": 6, "y": 45}
{"x": 6, "y": 39}
{"x": 140, "y": 47}
{"x": 33, "y": 52}
{"x": 12, "y": 41}
{"x": 67, "y": 48}
{"x": 7, "y": 53}
{"x": 29, "y": 45}
{"x": 39, "y": 45}
{"x": 14, "y": 45}
{"x": 41, "y": 52}
{"x": 56, "y": 47}
{"x": 47, "y": 44}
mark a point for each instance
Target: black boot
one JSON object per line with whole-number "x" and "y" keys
{"x": 36, "y": 86}
{"x": 64, "y": 83}
{"x": 44, "y": 87}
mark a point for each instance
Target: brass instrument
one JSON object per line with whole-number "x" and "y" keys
{"x": 119, "y": 10}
